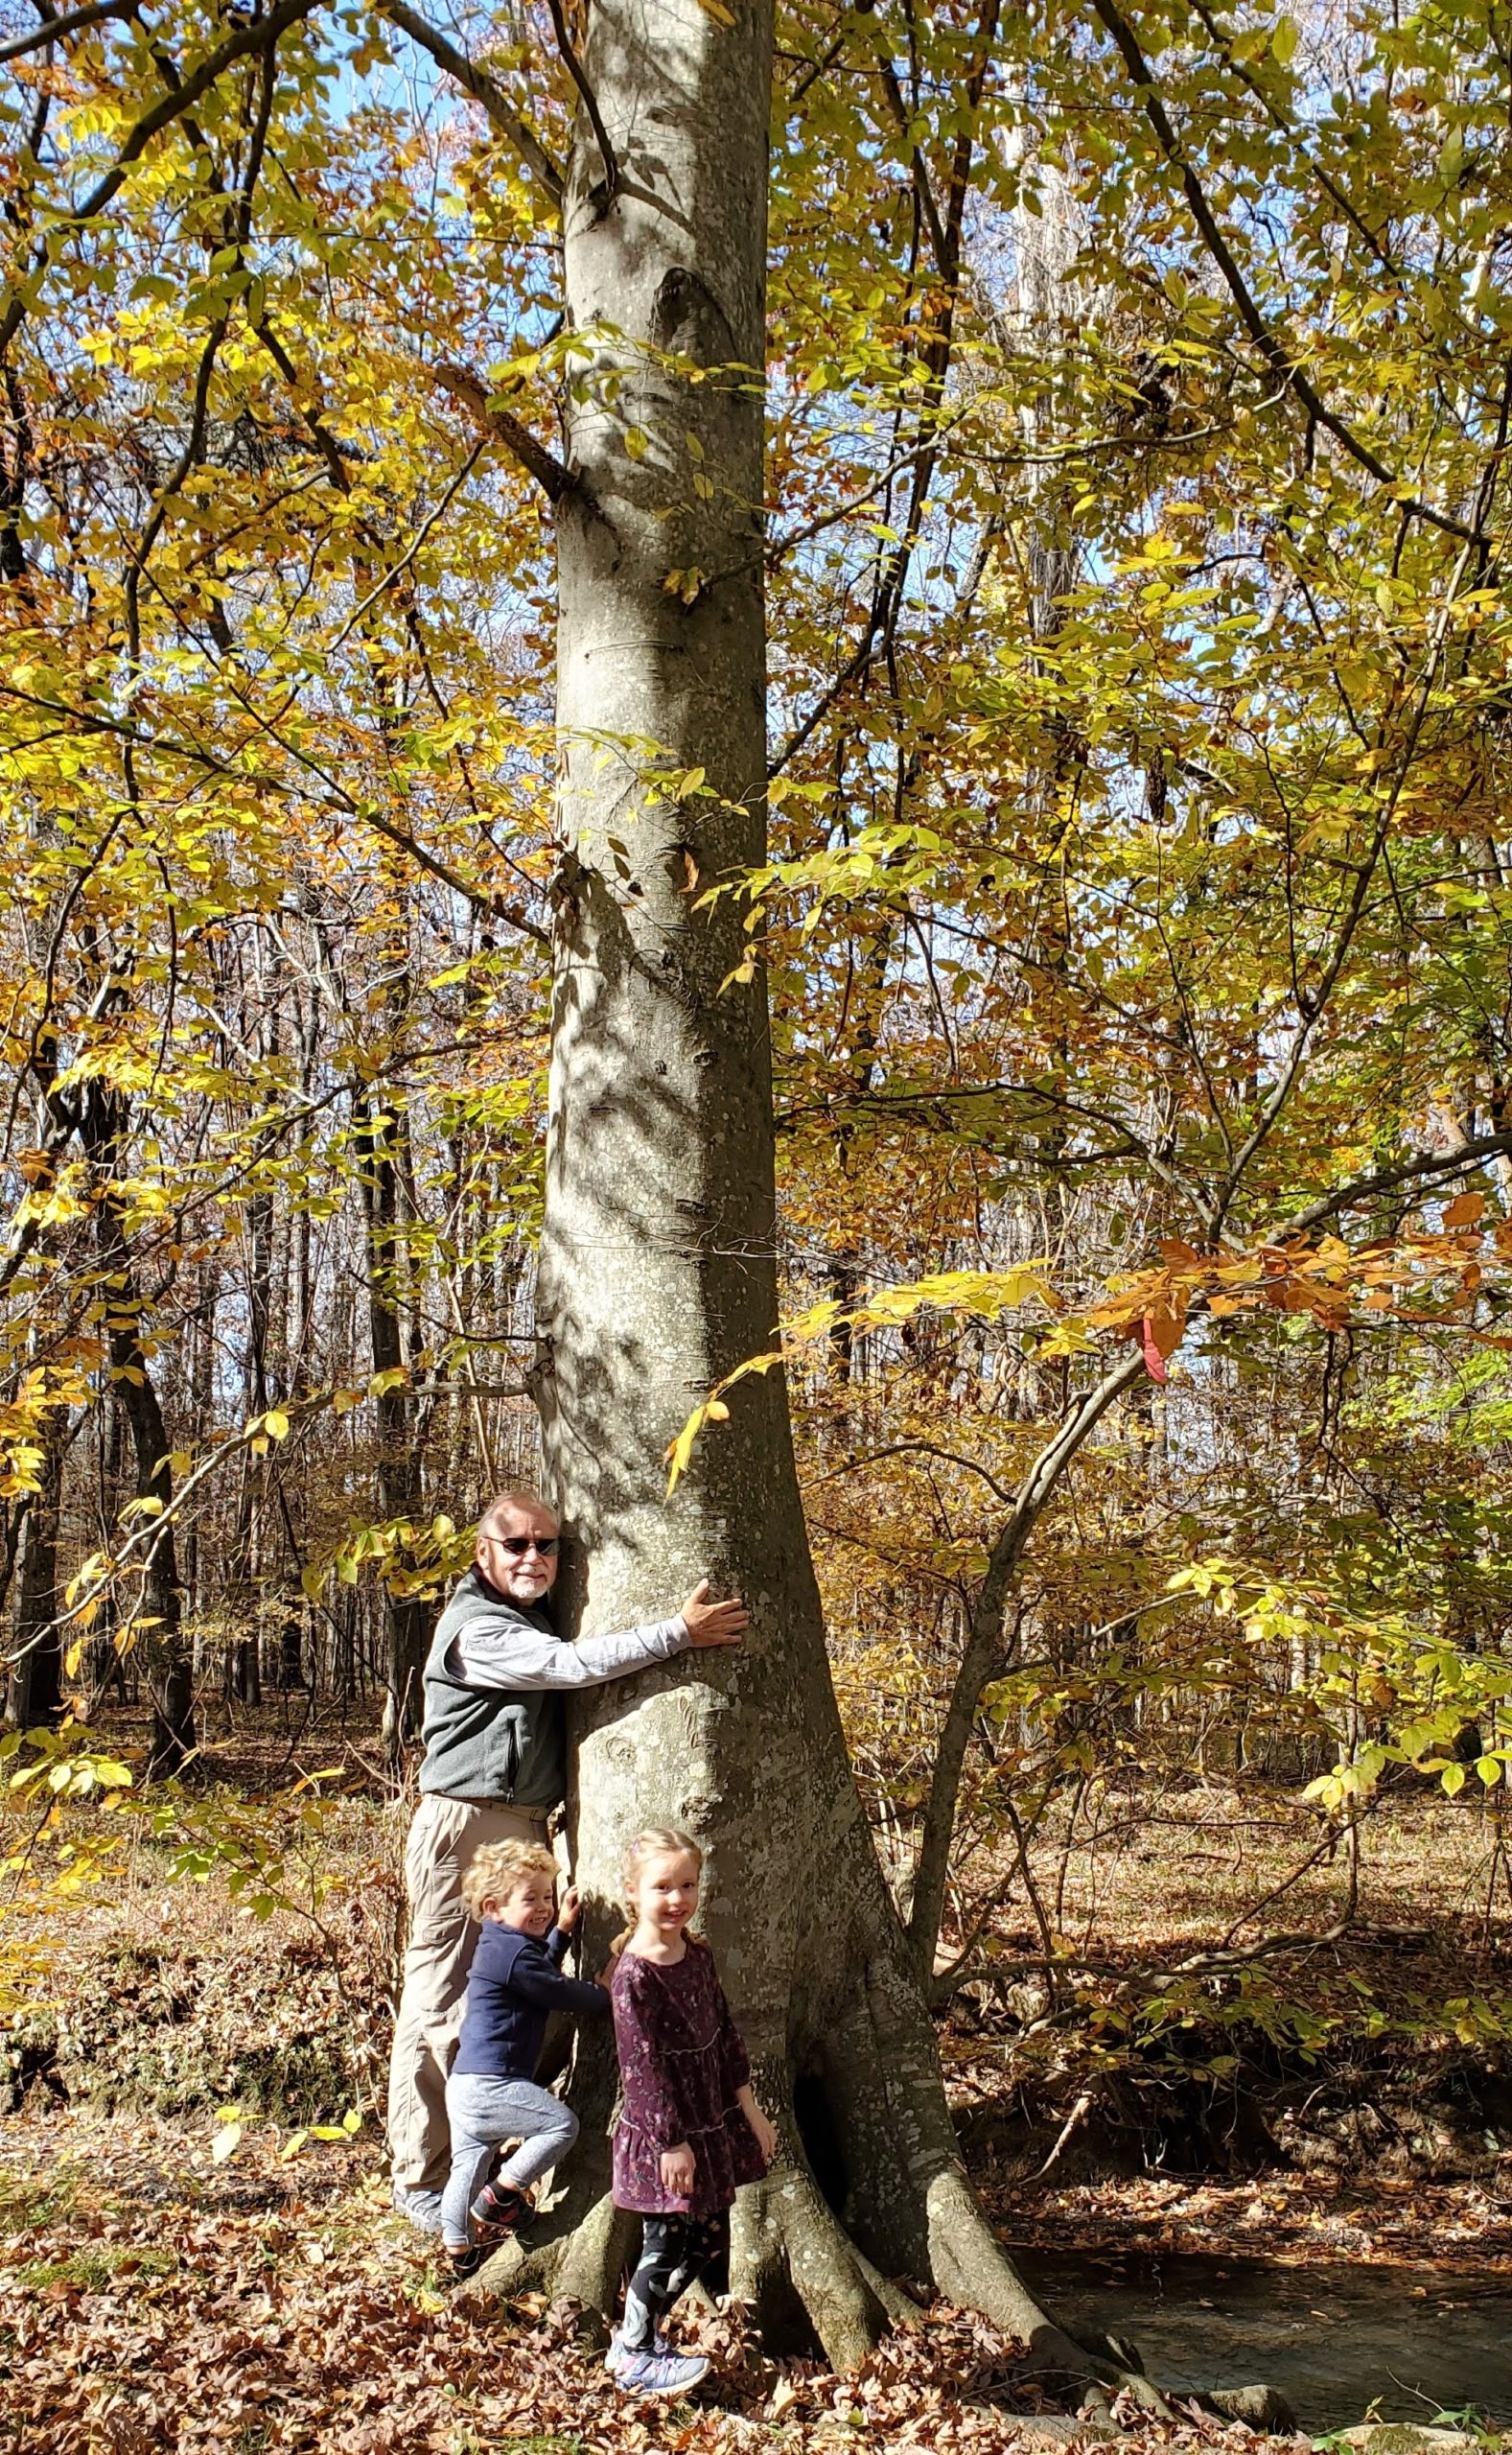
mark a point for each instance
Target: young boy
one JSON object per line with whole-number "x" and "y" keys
{"x": 514, "y": 1983}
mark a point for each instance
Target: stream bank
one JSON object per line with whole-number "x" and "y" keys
{"x": 1340, "y": 2339}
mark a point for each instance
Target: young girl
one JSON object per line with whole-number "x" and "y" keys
{"x": 514, "y": 1982}
{"x": 689, "y": 2130}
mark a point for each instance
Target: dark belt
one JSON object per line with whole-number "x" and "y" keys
{"x": 454, "y": 1798}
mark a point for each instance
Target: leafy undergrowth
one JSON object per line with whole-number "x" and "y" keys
{"x": 153, "y": 2299}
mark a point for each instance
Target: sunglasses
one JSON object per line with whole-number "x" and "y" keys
{"x": 518, "y": 1545}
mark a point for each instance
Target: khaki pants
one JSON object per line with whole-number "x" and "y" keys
{"x": 442, "y": 1839}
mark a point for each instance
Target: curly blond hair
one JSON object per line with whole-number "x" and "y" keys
{"x": 492, "y": 1872}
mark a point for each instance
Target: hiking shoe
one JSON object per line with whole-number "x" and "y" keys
{"x": 423, "y": 2207}
{"x": 658, "y": 2373}
{"x": 497, "y": 2210}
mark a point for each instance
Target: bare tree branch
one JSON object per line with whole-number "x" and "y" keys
{"x": 477, "y": 82}
{"x": 76, "y": 22}
{"x": 470, "y": 389}
{"x": 1276, "y": 358}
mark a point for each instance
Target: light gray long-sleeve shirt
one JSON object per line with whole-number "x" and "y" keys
{"x": 486, "y": 1652}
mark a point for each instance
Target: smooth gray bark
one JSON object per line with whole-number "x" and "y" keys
{"x": 657, "y": 1271}
{"x": 658, "y": 1264}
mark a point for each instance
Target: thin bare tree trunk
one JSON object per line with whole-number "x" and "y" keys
{"x": 36, "y": 1672}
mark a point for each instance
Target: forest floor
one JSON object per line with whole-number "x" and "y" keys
{"x": 183, "y": 2264}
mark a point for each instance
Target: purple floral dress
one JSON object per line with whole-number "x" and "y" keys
{"x": 681, "y": 2061}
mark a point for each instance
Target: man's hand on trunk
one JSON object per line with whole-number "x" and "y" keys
{"x": 715, "y": 1623}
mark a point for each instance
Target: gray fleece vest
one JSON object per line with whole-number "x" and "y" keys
{"x": 507, "y": 1745}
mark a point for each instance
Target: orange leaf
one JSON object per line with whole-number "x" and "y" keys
{"x": 1150, "y": 1348}
{"x": 1465, "y": 1209}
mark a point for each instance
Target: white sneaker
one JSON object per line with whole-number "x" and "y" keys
{"x": 423, "y": 2207}
{"x": 616, "y": 2354}
{"x": 658, "y": 2373}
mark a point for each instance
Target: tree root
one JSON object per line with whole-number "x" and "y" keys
{"x": 799, "y": 2264}
{"x": 969, "y": 2265}
{"x": 791, "y": 2248}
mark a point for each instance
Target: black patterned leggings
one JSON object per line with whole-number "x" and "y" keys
{"x": 675, "y": 2251}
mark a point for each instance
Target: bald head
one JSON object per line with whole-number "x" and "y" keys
{"x": 517, "y": 1540}
{"x": 505, "y": 1506}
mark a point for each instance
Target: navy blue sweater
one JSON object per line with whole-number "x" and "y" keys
{"x": 512, "y": 1987}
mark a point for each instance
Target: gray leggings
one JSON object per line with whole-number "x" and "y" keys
{"x": 485, "y": 2113}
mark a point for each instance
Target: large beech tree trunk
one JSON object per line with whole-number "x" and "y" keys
{"x": 658, "y": 1269}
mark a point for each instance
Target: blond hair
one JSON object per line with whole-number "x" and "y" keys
{"x": 657, "y": 1841}
{"x": 492, "y": 1872}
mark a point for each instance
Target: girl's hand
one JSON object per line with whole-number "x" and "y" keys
{"x": 677, "y": 2170}
{"x": 765, "y": 2136}
{"x": 571, "y": 1911}
{"x": 606, "y": 1976}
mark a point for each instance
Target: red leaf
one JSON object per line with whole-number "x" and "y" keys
{"x": 1155, "y": 1361}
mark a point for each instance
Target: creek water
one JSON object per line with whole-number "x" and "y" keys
{"x": 1339, "y": 2340}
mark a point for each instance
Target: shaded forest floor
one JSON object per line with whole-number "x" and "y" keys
{"x": 163, "y": 2283}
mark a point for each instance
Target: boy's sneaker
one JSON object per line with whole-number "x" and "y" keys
{"x": 658, "y": 2373}
{"x": 461, "y": 2264}
{"x": 497, "y": 2210}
